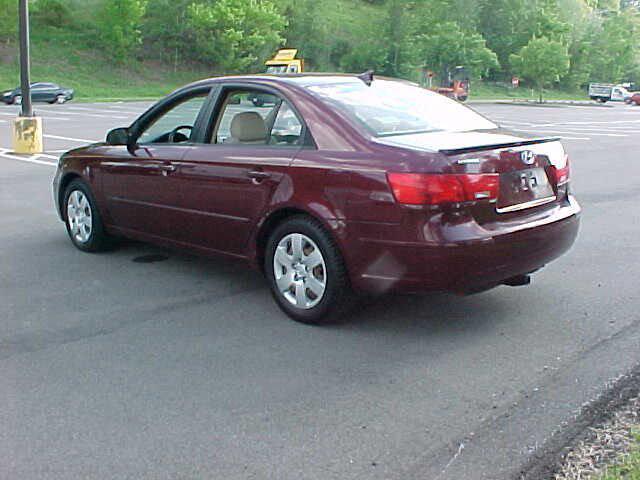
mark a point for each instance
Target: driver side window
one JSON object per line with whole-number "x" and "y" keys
{"x": 176, "y": 124}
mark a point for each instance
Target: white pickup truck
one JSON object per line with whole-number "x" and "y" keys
{"x": 606, "y": 92}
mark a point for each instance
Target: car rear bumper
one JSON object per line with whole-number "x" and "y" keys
{"x": 464, "y": 256}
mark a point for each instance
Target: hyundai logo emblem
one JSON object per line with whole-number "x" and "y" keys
{"x": 527, "y": 157}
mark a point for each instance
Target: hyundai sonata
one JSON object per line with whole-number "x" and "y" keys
{"x": 334, "y": 185}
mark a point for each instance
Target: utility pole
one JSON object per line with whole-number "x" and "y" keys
{"x": 27, "y": 129}
{"x": 25, "y": 73}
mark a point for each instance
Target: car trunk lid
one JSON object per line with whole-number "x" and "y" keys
{"x": 528, "y": 168}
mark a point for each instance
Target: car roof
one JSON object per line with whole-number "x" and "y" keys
{"x": 302, "y": 79}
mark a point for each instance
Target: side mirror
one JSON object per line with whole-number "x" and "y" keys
{"x": 118, "y": 136}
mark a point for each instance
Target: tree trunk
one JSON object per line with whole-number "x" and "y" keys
{"x": 540, "y": 90}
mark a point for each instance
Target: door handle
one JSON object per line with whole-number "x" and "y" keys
{"x": 167, "y": 168}
{"x": 258, "y": 175}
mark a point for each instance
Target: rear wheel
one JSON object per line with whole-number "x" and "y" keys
{"x": 306, "y": 272}
{"x": 82, "y": 218}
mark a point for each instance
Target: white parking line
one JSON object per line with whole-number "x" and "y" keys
{"x": 38, "y": 114}
{"x": 29, "y": 159}
{"x": 563, "y": 137}
{"x": 82, "y": 114}
{"x": 100, "y": 111}
{"x": 595, "y": 128}
{"x": 80, "y": 140}
{"x": 561, "y": 132}
{"x": 593, "y": 122}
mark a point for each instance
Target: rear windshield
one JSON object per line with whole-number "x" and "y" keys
{"x": 388, "y": 108}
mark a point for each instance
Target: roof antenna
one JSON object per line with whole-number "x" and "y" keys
{"x": 366, "y": 77}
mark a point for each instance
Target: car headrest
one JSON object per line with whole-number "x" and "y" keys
{"x": 248, "y": 127}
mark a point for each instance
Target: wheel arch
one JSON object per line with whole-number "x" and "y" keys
{"x": 276, "y": 217}
{"x": 64, "y": 183}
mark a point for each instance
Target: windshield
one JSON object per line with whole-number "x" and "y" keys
{"x": 277, "y": 69}
{"x": 389, "y": 108}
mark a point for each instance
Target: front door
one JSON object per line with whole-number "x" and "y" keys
{"x": 228, "y": 182}
{"x": 140, "y": 195}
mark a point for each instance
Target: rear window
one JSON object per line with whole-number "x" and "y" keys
{"x": 388, "y": 108}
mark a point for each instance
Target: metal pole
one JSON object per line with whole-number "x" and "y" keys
{"x": 25, "y": 80}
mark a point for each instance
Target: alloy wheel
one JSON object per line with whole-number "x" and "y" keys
{"x": 79, "y": 216}
{"x": 300, "y": 271}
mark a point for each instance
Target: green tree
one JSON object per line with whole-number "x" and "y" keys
{"x": 54, "y": 13}
{"x": 542, "y": 61}
{"x": 235, "y": 35}
{"x": 447, "y": 45}
{"x": 613, "y": 53}
{"x": 119, "y": 25}
{"x": 508, "y": 25}
{"x": 166, "y": 33}
{"x": 9, "y": 21}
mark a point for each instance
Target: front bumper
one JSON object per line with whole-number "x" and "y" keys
{"x": 466, "y": 257}
{"x": 56, "y": 191}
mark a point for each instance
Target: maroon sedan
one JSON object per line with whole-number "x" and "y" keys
{"x": 335, "y": 185}
{"x": 635, "y": 98}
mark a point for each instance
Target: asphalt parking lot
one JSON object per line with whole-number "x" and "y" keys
{"x": 112, "y": 367}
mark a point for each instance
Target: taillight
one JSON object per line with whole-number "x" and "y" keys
{"x": 562, "y": 174}
{"x": 436, "y": 189}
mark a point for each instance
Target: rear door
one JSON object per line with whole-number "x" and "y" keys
{"x": 228, "y": 181}
{"x": 140, "y": 195}
{"x": 39, "y": 92}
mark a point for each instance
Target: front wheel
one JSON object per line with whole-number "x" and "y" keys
{"x": 306, "y": 272}
{"x": 82, "y": 218}
{"x": 60, "y": 99}
{"x": 17, "y": 100}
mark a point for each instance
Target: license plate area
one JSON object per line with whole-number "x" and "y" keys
{"x": 523, "y": 189}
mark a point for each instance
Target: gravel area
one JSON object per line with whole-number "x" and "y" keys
{"x": 604, "y": 445}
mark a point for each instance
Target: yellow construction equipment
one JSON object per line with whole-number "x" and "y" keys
{"x": 285, "y": 61}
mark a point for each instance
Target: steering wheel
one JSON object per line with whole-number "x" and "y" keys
{"x": 176, "y": 135}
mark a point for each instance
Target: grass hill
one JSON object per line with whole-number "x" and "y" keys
{"x": 58, "y": 58}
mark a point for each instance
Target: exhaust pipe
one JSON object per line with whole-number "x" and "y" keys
{"x": 518, "y": 281}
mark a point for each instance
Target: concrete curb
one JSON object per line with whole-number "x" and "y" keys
{"x": 549, "y": 458}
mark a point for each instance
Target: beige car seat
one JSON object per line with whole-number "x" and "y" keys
{"x": 248, "y": 128}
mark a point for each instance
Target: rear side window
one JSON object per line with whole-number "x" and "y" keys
{"x": 389, "y": 108}
{"x": 253, "y": 117}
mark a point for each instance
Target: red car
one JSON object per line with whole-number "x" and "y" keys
{"x": 337, "y": 185}
{"x": 635, "y": 98}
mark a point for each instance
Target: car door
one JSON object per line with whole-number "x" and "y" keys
{"x": 38, "y": 92}
{"x": 136, "y": 180}
{"x": 227, "y": 181}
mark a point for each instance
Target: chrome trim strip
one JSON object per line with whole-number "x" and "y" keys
{"x": 523, "y": 206}
{"x": 468, "y": 161}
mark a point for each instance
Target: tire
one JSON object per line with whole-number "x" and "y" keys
{"x": 295, "y": 290}
{"x": 17, "y": 100}
{"x": 60, "y": 99}
{"x": 85, "y": 229}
